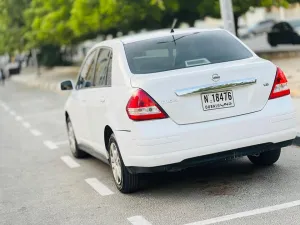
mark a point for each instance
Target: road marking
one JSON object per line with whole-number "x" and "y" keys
{"x": 5, "y": 106}
{"x": 19, "y": 118}
{"x": 138, "y": 220}
{"x": 35, "y": 132}
{"x": 98, "y": 186}
{"x": 247, "y": 213}
{"x": 13, "y": 113}
{"x": 50, "y": 145}
{"x": 26, "y": 124}
{"x": 44, "y": 113}
{"x": 70, "y": 162}
{"x": 62, "y": 142}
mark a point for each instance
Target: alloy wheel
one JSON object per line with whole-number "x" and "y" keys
{"x": 116, "y": 163}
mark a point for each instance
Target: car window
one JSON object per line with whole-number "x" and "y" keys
{"x": 287, "y": 27}
{"x": 277, "y": 27}
{"x": 183, "y": 50}
{"x": 101, "y": 71}
{"x": 86, "y": 76}
{"x": 109, "y": 69}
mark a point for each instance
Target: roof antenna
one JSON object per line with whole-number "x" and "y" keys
{"x": 173, "y": 25}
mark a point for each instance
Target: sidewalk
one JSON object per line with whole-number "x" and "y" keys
{"x": 49, "y": 79}
{"x": 291, "y": 68}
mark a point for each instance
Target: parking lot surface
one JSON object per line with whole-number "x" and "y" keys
{"x": 41, "y": 183}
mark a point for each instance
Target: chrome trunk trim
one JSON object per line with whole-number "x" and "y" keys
{"x": 211, "y": 87}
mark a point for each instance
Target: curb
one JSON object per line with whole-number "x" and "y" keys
{"x": 278, "y": 54}
{"x": 297, "y": 140}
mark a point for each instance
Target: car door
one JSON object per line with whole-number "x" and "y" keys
{"x": 80, "y": 95}
{"x": 98, "y": 100}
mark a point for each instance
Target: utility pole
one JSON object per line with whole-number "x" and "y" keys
{"x": 227, "y": 15}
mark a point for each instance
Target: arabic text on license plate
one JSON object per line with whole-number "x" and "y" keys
{"x": 217, "y": 100}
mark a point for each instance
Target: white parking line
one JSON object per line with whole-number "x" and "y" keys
{"x": 50, "y": 145}
{"x": 138, "y": 220}
{"x": 35, "y": 132}
{"x": 13, "y": 113}
{"x": 62, "y": 142}
{"x": 70, "y": 162}
{"x": 247, "y": 213}
{"x": 44, "y": 113}
{"x": 26, "y": 124}
{"x": 19, "y": 118}
{"x": 98, "y": 186}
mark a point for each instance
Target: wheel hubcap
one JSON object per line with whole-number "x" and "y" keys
{"x": 71, "y": 136}
{"x": 115, "y": 163}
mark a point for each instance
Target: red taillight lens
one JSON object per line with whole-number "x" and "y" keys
{"x": 280, "y": 87}
{"x": 142, "y": 107}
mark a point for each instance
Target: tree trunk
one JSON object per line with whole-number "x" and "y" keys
{"x": 236, "y": 24}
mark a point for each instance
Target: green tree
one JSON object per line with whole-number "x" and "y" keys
{"x": 47, "y": 22}
{"x": 12, "y": 25}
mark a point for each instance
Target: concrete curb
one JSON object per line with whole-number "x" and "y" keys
{"x": 278, "y": 54}
{"x": 297, "y": 140}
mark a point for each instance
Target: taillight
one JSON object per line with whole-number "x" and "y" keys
{"x": 142, "y": 107}
{"x": 280, "y": 87}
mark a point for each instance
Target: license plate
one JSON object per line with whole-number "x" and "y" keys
{"x": 217, "y": 100}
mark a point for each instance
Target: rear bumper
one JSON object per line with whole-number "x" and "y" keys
{"x": 163, "y": 142}
{"x": 200, "y": 160}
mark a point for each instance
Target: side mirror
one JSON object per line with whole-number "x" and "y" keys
{"x": 66, "y": 85}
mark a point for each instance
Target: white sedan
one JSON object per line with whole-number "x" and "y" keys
{"x": 167, "y": 101}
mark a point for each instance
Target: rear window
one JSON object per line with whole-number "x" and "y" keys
{"x": 182, "y": 51}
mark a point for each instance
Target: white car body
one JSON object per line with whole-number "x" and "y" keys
{"x": 189, "y": 131}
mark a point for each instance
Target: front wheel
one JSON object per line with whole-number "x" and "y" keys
{"x": 265, "y": 158}
{"x": 125, "y": 181}
{"x": 273, "y": 44}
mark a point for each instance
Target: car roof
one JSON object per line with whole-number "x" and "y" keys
{"x": 155, "y": 34}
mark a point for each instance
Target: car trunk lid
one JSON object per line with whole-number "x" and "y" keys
{"x": 210, "y": 92}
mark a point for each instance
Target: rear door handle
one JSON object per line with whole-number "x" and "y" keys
{"x": 102, "y": 100}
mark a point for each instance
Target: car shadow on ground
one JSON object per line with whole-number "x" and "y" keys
{"x": 218, "y": 178}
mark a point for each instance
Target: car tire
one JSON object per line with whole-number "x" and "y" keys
{"x": 124, "y": 180}
{"x": 76, "y": 152}
{"x": 267, "y": 158}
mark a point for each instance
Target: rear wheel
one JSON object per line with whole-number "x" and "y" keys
{"x": 265, "y": 158}
{"x": 77, "y": 153}
{"x": 273, "y": 44}
{"x": 125, "y": 181}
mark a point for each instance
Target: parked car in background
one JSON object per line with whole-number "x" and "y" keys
{"x": 259, "y": 28}
{"x": 287, "y": 32}
{"x": 165, "y": 101}
{"x": 12, "y": 68}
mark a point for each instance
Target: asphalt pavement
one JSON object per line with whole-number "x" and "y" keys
{"x": 41, "y": 183}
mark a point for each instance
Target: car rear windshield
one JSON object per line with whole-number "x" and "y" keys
{"x": 183, "y": 50}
